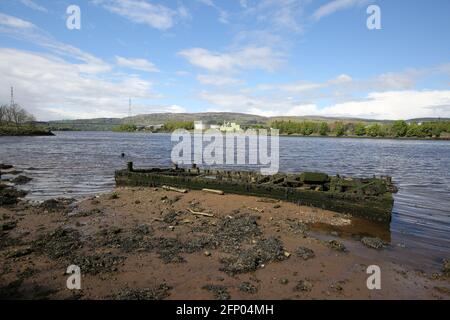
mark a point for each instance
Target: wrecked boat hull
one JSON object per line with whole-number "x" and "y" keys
{"x": 366, "y": 198}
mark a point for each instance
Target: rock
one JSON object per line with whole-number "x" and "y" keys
{"x": 14, "y": 172}
{"x": 446, "y": 267}
{"x": 98, "y": 263}
{"x": 207, "y": 253}
{"x": 220, "y": 292}
{"x": 21, "y": 180}
{"x": 305, "y": 253}
{"x": 61, "y": 243}
{"x": 303, "y": 286}
{"x": 161, "y": 292}
{"x": 17, "y": 253}
{"x": 8, "y": 225}
{"x": 336, "y": 245}
{"x": 247, "y": 287}
{"x": 244, "y": 261}
{"x": 10, "y": 195}
{"x": 374, "y": 243}
{"x": 5, "y": 166}
{"x": 284, "y": 281}
{"x": 54, "y": 205}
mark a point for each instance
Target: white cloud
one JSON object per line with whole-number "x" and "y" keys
{"x": 395, "y": 105}
{"x": 279, "y": 15}
{"x": 24, "y": 30}
{"x": 142, "y": 12}
{"x": 223, "y": 15}
{"x": 390, "y": 105}
{"x": 52, "y": 88}
{"x": 334, "y": 6}
{"x": 218, "y": 80}
{"x": 33, "y": 5}
{"x": 247, "y": 58}
{"x": 7, "y": 21}
{"x": 136, "y": 64}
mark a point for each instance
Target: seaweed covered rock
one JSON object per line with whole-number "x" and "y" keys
{"x": 56, "y": 205}
{"x": 305, "y": 253}
{"x": 5, "y": 166}
{"x": 10, "y": 195}
{"x": 265, "y": 251}
{"x": 58, "y": 244}
{"x": 160, "y": 292}
{"x": 446, "y": 267}
{"x": 98, "y": 263}
{"x": 374, "y": 243}
{"x": 21, "y": 180}
{"x": 220, "y": 292}
{"x": 336, "y": 245}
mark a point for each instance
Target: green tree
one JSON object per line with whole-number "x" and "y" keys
{"x": 324, "y": 129}
{"x": 399, "y": 128}
{"x": 415, "y": 130}
{"x": 374, "y": 130}
{"x": 125, "y": 128}
{"x": 339, "y": 129}
{"x": 360, "y": 129}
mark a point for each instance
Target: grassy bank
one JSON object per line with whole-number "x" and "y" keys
{"x": 24, "y": 130}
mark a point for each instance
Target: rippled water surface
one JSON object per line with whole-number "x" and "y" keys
{"x": 82, "y": 163}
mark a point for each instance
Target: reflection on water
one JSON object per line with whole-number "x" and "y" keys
{"x": 81, "y": 163}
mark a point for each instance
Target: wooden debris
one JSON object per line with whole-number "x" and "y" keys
{"x": 219, "y": 192}
{"x": 167, "y": 188}
{"x": 256, "y": 209}
{"x": 201, "y": 213}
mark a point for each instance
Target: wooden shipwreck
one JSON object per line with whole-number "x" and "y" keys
{"x": 370, "y": 198}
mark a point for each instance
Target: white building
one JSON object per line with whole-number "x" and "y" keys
{"x": 230, "y": 127}
{"x": 198, "y": 125}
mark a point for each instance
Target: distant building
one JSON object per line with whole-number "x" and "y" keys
{"x": 154, "y": 127}
{"x": 214, "y": 126}
{"x": 230, "y": 127}
{"x": 198, "y": 125}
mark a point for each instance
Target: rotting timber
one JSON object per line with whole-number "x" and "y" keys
{"x": 369, "y": 198}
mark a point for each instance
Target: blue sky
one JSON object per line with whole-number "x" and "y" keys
{"x": 266, "y": 57}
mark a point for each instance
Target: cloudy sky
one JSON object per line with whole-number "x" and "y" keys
{"x": 266, "y": 57}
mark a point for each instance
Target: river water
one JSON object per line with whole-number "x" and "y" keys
{"x": 74, "y": 164}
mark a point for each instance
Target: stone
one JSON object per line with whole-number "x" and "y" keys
{"x": 374, "y": 243}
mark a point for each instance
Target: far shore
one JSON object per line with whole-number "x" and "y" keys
{"x": 24, "y": 131}
{"x": 283, "y": 135}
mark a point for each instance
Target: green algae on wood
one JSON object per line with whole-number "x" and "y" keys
{"x": 369, "y": 198}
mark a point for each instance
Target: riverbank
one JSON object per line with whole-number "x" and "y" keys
{"x": 150, "y": 243}
{"x": 24, "y": 131}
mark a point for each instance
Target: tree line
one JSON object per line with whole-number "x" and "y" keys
{"x": 398, "y": 128}
{"x": 15, "y": 115}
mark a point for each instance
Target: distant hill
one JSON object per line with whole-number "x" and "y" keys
{"x": 107, "y": 124}
{"x": 206, "y": 117}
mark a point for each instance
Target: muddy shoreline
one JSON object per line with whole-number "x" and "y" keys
{"x": 149, "y": 243}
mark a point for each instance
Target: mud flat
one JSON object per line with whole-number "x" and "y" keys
{"x": 150, "y": 243}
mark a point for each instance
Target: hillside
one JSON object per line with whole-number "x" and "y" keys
{"x": 107, "y": 124}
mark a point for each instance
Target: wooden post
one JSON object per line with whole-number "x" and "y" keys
{"x": 130, "y": 166}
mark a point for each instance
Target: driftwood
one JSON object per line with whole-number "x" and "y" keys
{"x": 219, "y": 192}
{"x": 209, "y": 215}
{"x": 174, "y": 189}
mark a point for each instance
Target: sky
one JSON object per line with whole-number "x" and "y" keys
{"x": 266, "y": 57}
